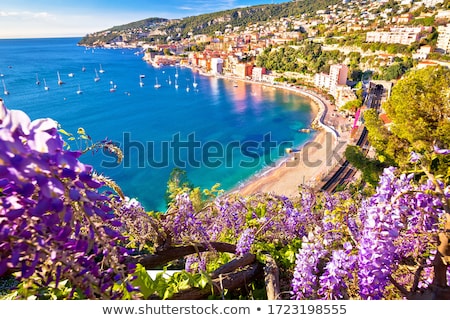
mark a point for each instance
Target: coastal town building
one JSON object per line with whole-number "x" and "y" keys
{"x": 257, "y": 73}
{"x": 399, "y": 35}
{"x": 336, "y": 78}
{"x": 443, "y": 40}
{"x": 243, "y": 70}
{"x": 422, "y": 53}
{"x": 431, "y": 3}
{"x": 216, "y": 66}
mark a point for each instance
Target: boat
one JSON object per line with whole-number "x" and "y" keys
{"x": 46, "y": 88}
{"x": 83, "y": 69}
{"x": 169, "y": 81}
{"x": 142, "y": 76}
{"x": 79, "y": 90}
{"x": 141, "y": 83}
{"x": 176, "y": 84}
{"x": 113, "y": 87}
{"x": 176, "y": 72}
{"x": 37, "y": 80}
{"x": 157, "y": 85}
{"x": 101, "y": 69}
{"x": 5, "y": 92}
{"x": 187, "y": 88}
{"x": 195, "y": 84}
{"x": 60, "y": 82}
{"x": 97, "y": 78}
{"x": 71, "y": 75}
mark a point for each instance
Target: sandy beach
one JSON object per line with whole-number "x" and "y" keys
{"x": 311, "y": 162}
{"x": 297, "y": 170}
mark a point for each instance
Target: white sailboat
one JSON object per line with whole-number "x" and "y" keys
{"x": 176, "y": 72}
{"x": 97, "y": 78}
{"x": 176, "y": 84}
{"x": 188, "y": 88}
{"x": 101, "y": 69}
{"x": 79, "y": 90}
{"x": 194, "y": 84}
{"x": 157, "y": 85}
{"x": 169, "y": 81}
{"x": 37, "y": 80}
{"x": 113, "y": 87}
{"x": 46, "y": 88}
{"x": 60, "y": 82}
{"x": 5, "y": 91}
{"x": 141, "y": 83}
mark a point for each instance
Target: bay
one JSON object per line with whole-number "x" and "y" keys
{"x": 218, "y": 132}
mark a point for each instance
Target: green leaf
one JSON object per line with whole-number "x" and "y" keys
{"x": 204, "y": 281}
{"x": 143, "y": 281}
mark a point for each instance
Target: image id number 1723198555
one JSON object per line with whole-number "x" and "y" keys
{"x": 307, "y": 309}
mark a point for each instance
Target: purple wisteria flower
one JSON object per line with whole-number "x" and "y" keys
{"x": 333, "y": 282}
{"x": 245, "y": 242}
{"x": 305, "y": 280}
{"x": 438, "y": 150}
{"x": 414, "y": 157}
{"x": 51, "y": 210}
{"x": 377, "y": 249}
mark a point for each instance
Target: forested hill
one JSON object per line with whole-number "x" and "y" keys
{"x": 207, "y": 23}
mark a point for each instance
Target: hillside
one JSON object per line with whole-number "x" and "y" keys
{"x": 206, "y": 23}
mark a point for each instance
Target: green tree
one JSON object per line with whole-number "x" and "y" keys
{"x": 371, "y": 169}
{"x": 419, "y": 108}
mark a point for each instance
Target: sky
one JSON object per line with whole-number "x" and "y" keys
{"x": 76, "y": 18}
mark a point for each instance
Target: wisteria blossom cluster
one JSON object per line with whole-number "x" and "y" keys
{"x": 55, "y": 224}
{"x": 365, "y": 250}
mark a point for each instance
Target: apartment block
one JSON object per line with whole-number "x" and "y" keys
{"x": 431, "y": 3}
{"x": 400, "y": 35}
{"x": 337, "y": 77}
{"x": 257, "y": 73}
{"x": 443, "y": 40}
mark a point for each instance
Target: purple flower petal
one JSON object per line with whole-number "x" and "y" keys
{"x": 440, "y": 151}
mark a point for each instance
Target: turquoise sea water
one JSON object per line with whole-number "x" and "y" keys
{"x": 217, "y": 132}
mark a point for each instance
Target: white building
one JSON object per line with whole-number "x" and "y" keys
{"x": 431, "y": 3}
{"x": 257, "y": 73}
{"x": 400, "y": 35}
{"x": 422, "y": 53}
{"x": 216, "y": 65}
{"x": 322, "y": 80}
{"x": 443, "y": 40}
{"x": 337, "y": 77}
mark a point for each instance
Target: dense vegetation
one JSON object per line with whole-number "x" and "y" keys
{"x": 116, "y": 31}
{"x": 67, "y": 232}
{"x": 419, "y": 108}
{"x": 307, "y": 57}
{"x": 217, "y": 21}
